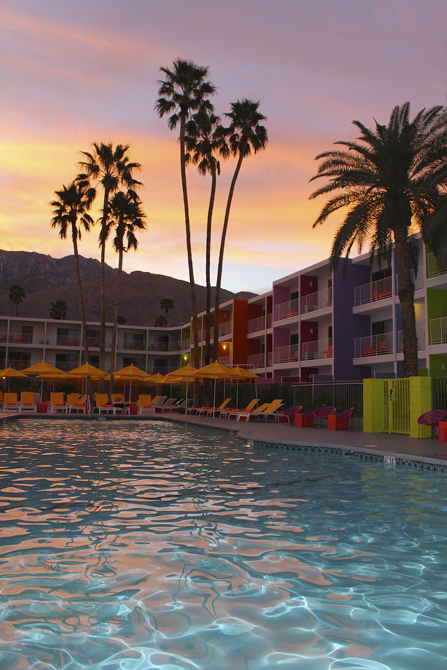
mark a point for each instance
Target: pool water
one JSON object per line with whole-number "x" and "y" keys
{"x": 140, "y": 546}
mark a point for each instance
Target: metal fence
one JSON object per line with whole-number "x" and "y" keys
{"x": 342, "y": 395}
{"x": 439, "y": 393}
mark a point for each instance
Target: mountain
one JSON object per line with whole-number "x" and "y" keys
{"x": 46, "y": 279}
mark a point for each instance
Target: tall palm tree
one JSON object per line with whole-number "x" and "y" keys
{"x": 205, "y": 140}
{"x": 166, "y": 304}
{"x": 110, "y": 167}
{"x": 58, "y": 310}
{"x": 126, "y": 216}
{"x": 388, "y": 181}
{"x": 246, "y": 135}
{"x": 183, "y": 92}
{"x": 70, "y": 211}
{"x": 16, "y": 295}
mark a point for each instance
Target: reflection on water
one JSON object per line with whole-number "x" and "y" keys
{"x": 145, "y": 545}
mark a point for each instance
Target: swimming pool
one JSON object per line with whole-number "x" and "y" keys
{"x": 137, "y": 546}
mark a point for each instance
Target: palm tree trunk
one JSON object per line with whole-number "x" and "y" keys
{"x": 208, "y": 262}
{"x": 221, "y": 252}
{"x": 115, "y": 314}
{"x": 406, "y": 299}
{"x": 102, "y": 332}
{"x": 189, "y": 252}
{"x": 81, "y": 302}
{"x": 17, "y": 309}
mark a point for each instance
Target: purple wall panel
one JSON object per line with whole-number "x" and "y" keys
{"x": 308, "y": 285}
{"x": 281, "y": 337}
{"x": 346, "y": 325}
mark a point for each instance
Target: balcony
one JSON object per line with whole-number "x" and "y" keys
{"x": 376, "y": 290}
{"x": 417, "y": 281}
{"x": 420, "y": 333}
{"x": 438, "y": 330}
{"x": 134, "y": 345}
{"x": 185, "y": 344}
{"x": 314, "y": 301}
{"x": 433, "y": 269}
{"x": 373, "y": 345}
{"x": 64, "y": 341}
{"x": 269, "y": 320}
{"x": 287, "y": 354}
{"x": 258, "y": 360}
{"x": 269, "y": 359}
{"x": 224, "y": 360}
{"x": 286, "y": 310}
{"x": 255, "y": 325}
{"x": 18, "y": 338}
{"x": 317, "y": 349}
{"x": 225, "y": 328}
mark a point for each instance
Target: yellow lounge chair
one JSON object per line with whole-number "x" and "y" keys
{"x": 267, "y": 409}
{"x": 144, "y": 403}
{"x": 10, "y": 402}
{"x": 75, "y": 403}
{"x": 57, "y": 402}
{"x": 211, "y": 411}
{"x": 227, "y": 413}
{"x": 102, "y": 403}
{"x": 27, "y": 402}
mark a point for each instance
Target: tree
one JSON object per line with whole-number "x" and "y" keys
{"x": 16, "y": 295}
{"x": 110, "y": 167}
{"x": 183, "y": 92}
{"x": 126, "y": 216}
{"x": 205, "y": 140}
{"x": 58, "y": 310}
{"x": 70, "y": 211}
{"x": 121, "y": 320}
{"x": 388, "y": 181}
{"x": 245, "y": 135}
{"x": 161, "y": 321}
{"x": 166, "y": 304}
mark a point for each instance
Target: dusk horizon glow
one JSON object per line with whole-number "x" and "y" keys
{"x": 74, "y": 73}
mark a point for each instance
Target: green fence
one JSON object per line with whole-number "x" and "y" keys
{"x": 343, "y": 395}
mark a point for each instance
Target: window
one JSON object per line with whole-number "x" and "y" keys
{"x": 381, "y": 274}
{"x": 381, "y": 327}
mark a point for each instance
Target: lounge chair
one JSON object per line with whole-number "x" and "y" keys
{"x": 57, "y": 403}
{"x": 10, "y": 402}
{"x": 27, "y": 403}
{"x": 340, "y": 421}
{"x": 169, "y": 405}
{"x": 264, "y": 411}
{"x": 76, "y": 403}
{"x": 246, "y": 413}
{"x": 144, "y": 402}
{"x": 288, "y": 416}
{"x": 211, "y": 411}
{"x": 102, "y": 403}
{"x": 228, "y": 413}
{"x": 431, "y": 419}
{"x": 323, "y": 413}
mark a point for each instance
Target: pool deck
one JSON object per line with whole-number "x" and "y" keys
{"x": 372, "y": 446}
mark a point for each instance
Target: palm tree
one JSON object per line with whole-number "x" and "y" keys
{"x": 126, "y": 215}
{"x": 110, "y": 167}
{"x": 388, "y": 181}
{"x": 16, "y": 295}
{"x": 184, "y": 92}
{"x": 161, "y": 321}
{"x": 245, "y": 135}
{"x": 166, "y": 304}
{"x": 70, "y": 211}
{"x": 205, "y": 140}
{"x": 58, "y": 310}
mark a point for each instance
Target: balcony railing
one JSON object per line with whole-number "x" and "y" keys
{"x": 286, "y": 354}
{"x": 15, "y": 364}
{"x": 26, "y": 338}
{"x": 420, "y": 334}
{"x": 255, "y": 325}
{"x": 185, "y": 344}
{"x": 225, "y": 328}
{"x": 258, "y": 360}
{"x": 64, "y": 341}
{"x": 225, "y": 360}
{"x": 134, "y": 345}
{"x": 373, "y": 345}
{"x": 269, "y": 320}
{"x": 438, "y": 330}
{"x": 318, "y": 300}
{"x": 317, "y": 349}
{"x": 286, "y": 310}
{"x": 433, "y": 269}
{"x": 375, "y": 290}
{"x": 269, "y": 359}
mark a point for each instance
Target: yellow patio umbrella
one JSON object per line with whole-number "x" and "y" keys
{"x": 156, "y": 379}
{"x": 214, "y": 370}
{"x": 10, "y": 372}
{"x": 43, "y": 368}
{"x": 51, "y": 376}
{"x": 130, "y": 372}
{"x": 186, "y": 372}
{"x": 88, "y": 370}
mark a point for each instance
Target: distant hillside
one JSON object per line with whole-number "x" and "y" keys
{"x": 46, "y": 279}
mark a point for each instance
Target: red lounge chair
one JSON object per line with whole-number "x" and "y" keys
{"x": 288, "y": 416}
{"x": 340, "y": 421}
{"x": 431, "y": 419}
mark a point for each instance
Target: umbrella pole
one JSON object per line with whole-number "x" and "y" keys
{"x": 186, "y": 407}
{"x": 130, "y": 390}
{"x": 237, "y": 393}
{"x": 214, "y": 404}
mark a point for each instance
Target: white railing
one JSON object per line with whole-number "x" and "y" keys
{"x": 420, "y": 334}
{"x": 375, "y": 290}
{"x": 373, "y": 345}
{"x": 258, "y": 360}
{"x": 225, "y": 360}
{"x": 433, "y": 269}
{"x": 417, "y": 281}
{"x": 287, "y": 354}
{"x": 318, "y": 300}
{"x": 225, "y": 328}
{"x": 438, "y": 330}
{"x": 185, "y": 344}
{"x": 317, "y": 349}
{"x": 285, "y": 310}
{"x": 255, "y": 325}
{"x": 269, "y": 320}
{"x": 269, "y": 359}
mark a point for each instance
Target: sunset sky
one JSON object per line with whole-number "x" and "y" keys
{"x": 77, "y": 71}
